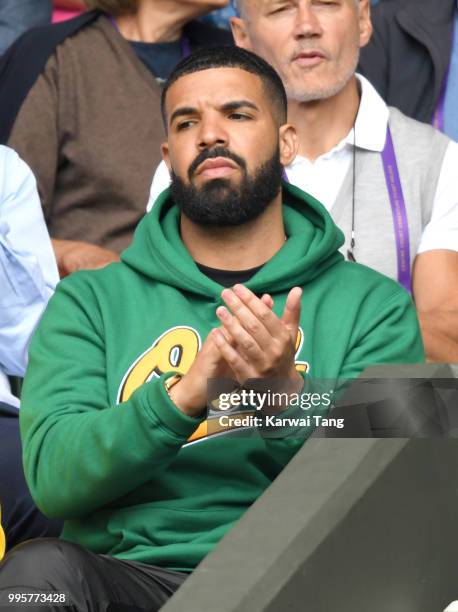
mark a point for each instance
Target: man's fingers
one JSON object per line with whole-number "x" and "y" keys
{"x": 267, "y": 300}
{"x": 244, "y": 320}
{"x": 246, "y": 299}
{"x": 227, "y": 335}
{"x": 292, "y": 312}
{"x": 234, "y": 360}
{"x": 244, "y": 342}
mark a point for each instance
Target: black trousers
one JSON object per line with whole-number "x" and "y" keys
{"x": 21, "y": 519}
{"x": 90, "y": 582}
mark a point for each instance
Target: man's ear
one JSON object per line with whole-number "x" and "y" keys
{"x": 365, "y": 23}
{"x": 289, "y": 144}
{"x": 166, "y": 155}
{"x": 240, "y": 34}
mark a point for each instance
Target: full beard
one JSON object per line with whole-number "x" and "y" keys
{"x": 218, "y": 203}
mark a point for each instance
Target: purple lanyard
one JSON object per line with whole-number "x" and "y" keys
{"x": 438, "y": 118}
{"x": 398, "y": 209}
{"x": 185, "y": 42}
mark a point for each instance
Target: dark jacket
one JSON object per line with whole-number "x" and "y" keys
{"x": 408, "y": 56}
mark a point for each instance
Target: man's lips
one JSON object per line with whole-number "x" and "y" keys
{"x": 308, "y": 58}
{"x": 216, "y": 167}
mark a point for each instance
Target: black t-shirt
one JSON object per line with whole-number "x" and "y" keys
{"x": 228, "y": 278}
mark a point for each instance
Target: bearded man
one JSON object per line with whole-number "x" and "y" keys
{"x": 229, "y": 276}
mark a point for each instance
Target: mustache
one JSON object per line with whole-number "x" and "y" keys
{"x": 211, "y": 154}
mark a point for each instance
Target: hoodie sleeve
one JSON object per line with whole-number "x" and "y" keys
{"x": 386, "y": 333}
{"x": 81, "y": 452}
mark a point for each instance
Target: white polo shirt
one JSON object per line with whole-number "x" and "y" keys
{"x": 371, "y": 127}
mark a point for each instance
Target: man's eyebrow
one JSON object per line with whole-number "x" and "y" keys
{"x": 183, "y": 110}
{"x": 237, "y": 104}
{"x": 228, "y": 106}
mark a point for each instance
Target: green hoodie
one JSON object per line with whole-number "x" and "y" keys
{"x": 104, "y": 446}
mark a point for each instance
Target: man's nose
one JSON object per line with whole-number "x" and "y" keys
{"x": 307, "y": 22}
{"x": 212, "y": 133}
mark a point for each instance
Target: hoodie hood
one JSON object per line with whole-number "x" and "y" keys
{"x": 311, "y": 248}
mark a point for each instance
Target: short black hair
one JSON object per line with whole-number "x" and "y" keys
{"x": 231, "y": 57}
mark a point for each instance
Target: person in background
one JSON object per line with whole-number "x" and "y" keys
{"x": 222, "y": 17}
{"x": 219, "y": 18}
{"x": 230, "y": 276}
{"x": 394, "y": 187}
{"x": 85, "y": 115}
{"x": 28, "y": 276}
{"x": 17, "y": 16}
{"x": 412, "y": 60}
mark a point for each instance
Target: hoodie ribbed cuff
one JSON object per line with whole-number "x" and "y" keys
{"x": 165, "y": 411}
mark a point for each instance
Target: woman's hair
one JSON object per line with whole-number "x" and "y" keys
{"x": 113, "y": 7}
